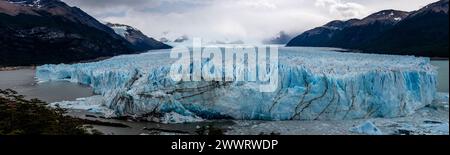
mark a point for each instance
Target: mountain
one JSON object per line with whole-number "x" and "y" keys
{"x": 181, "y": 39}
{"x": 281, "y": 38}
{"x": 164, "y": 40}
{"x": 34, "y": 32}
{"x": 422, "y": 33}
{"x": 140, "y": 41}
{"x": 347, "y": 34}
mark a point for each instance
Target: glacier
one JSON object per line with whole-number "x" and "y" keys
{"x": 314, "y": 84}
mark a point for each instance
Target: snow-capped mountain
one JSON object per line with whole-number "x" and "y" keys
{"x": 388, "y": 17}
{"x": 49, "y": 8}
{"x": 139, "y": 40}
{"x": 438, "y": 7}
{"x": 350, "y": 32}
{"x": 30, "y": 3}
{"x": 50, "y": 31}
{"x": 423, "y": 33}
{"x": 388, "y": 31}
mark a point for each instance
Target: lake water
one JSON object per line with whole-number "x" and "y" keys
{"x": 443, "y": 79}
{"x": 24, "y": 83}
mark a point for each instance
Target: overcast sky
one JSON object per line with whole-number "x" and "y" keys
{"x": 230, "y": 20}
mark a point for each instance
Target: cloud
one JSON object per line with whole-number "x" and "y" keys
{"x": 247, "y": 20}
{"x": 230, "y": 20}
{"x": 343, "y": 9}
{"x": 101, "y": 4}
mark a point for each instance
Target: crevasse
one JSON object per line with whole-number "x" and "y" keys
{"x": 314, "y": 84}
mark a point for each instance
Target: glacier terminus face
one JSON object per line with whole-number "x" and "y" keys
{"x": 313, "y": 84}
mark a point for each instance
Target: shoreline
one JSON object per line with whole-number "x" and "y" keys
{"x": 439, "y": 59}
{"x": 13, "y": 68}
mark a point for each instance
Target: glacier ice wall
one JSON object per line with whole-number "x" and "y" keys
{"x": 314, "y": 84}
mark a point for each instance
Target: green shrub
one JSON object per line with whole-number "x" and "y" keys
{"x": 19, "y": 116}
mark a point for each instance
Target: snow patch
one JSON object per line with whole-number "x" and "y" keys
{"x": 94, "y": 104}
{"x": 121, "y": 30}
{"x": 172, "y": 118}
{"x": 367, "y": 128}
{"x": 398, "y": 19}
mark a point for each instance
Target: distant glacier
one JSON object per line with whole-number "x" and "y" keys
{"x": 314, "y": 84}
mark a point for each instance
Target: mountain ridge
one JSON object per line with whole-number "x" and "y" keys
{"x": 138, "y": 39}
{"x": 34, "y": 32}
{"x": 379, "y": 32}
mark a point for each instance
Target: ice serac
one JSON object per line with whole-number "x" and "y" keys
{"x": 314, "y": 84}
